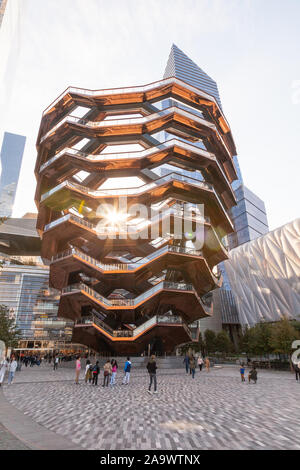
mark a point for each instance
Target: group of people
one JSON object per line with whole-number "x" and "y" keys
{"x": 190, "y": 364}
{"x": 251, "y": 376}
{"x": 110, "y": 368}
{"x": 8, "y": 365}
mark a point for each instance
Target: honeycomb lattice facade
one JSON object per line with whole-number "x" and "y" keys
{"x": 123, "y": 290}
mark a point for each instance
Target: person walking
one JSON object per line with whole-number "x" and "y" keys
{"x": 200, "y": 363}
{"x": 12, "y": 367}
{"x": 192, "y": 366}
{"x": 3, "y": 369}
{"x": 114, "y": 367}
{"x": 55, "y": 363}
{"x": 296, "y": 368}
{"x": 207, "y": 364}
{"x": 242, "y": 372}
{"x": 252, "y": 375}
{"x": 77, "y": 369}
{"x": 151, "y": 367}
{"x": 127, "y": 369}
{"x": 107, "y": 372}
{"x": 95, "y": 373}
{"x": 186, "y": 361}
{"x": 88, "y": 372}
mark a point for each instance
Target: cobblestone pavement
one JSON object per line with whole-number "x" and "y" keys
{"x": 10, "y": 442}
{"x": 213, "y": 411}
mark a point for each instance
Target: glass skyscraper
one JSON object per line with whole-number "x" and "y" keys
{"x": 248, "y": 216}
{"x": 11, "y": 160}
{"x": 24, "y": 289}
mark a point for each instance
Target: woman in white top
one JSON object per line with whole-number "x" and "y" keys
{"x": 200, "y": 363}
{"x": 12, "y": 367}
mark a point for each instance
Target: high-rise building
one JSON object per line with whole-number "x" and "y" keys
{"x": 19, "y": 237}
{"x": 132, "y": 276}
{"x": 248, "y": 216}
{"x": 11, "y": 160}
{"x": 24, "y": 290}
{"x": 181, "y": 66}
{"x": 265, "y": 276}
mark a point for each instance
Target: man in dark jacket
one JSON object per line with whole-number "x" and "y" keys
{"x": 252, "y": 375}
{"x": 95, "y": 373}
{"x": 186, "y": 361}
{"x": 151, "y": 367}
{"x": 296, "y": 368}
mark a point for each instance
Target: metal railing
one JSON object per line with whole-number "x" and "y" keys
{"x": 163, "y": 285}
{"x": 138, "y": 227}
{"x": 128, "y": 266}
{"x": 129, "y": 191}
{"x": 156, "y": 320}
{"x": 137, "y": 121}
{"x": 129, "y": 155}
{"x": 131, "y": 303}
{"x": 135, "y": 89}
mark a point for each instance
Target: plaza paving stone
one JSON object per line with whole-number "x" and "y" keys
{"x": 9, "y": 442}
{"x": 213, "y": 411}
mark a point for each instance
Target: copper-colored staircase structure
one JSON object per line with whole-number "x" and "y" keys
{"x": 127, "y": 282}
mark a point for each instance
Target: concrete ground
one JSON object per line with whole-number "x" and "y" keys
{"x": 45, "y": 409}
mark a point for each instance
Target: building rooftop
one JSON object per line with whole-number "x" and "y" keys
{"x": 18, "y": 236}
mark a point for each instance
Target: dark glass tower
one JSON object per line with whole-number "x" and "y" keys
{"x": 248, "y": 216}
{"x": 181, "y": 66}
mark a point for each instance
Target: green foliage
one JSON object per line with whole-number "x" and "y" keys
{"x": 260, "y": 339}
{"x": 201, "y": 343}
{"x": 282, "y": 336}
{"x": 8, "y": 331}
{"x": 266, "y": 338}
{"x": 296, "y": 325}
{"x": 210, "y": 341}
{"x": 223, "y": 342}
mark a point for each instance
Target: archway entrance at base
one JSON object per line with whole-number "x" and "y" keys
{"x": 156, "y": 346}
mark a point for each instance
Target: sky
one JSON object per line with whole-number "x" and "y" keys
{"x": 251, "y": 48}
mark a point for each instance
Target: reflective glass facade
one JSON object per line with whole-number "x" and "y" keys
{"x": 265, "y": 276}
{"x": 248, "y": 216}
{"x": 24, "y": 289}
{"x": 11, "y": 159}
{"x": 181, "y": 66}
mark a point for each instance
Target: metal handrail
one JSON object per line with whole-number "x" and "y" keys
{"x": 138, "y": 121}
{"x": 128, "y": 191}
{"x": 135, "y": 89}
{"x": 135, "y": 154}
{"x": 129, "y": 266}
{"x": 158, "y": 217}
{"x": 157, "y": 319}
{"x": 163, "y": 285}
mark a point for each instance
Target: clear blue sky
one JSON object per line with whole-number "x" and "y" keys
{"x": 251, "y": 48}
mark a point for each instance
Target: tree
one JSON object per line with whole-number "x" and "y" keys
{"x": 282, "y": 336}
{"x": 256, "y": 340}
{"x": 210, "y": 341}
{"x": 260, "y": 336}
{"x": 223, "y": 342}
{"x": 201, "y": 343}
{"x": 8, "y": 331}
{"x": 244, "y": 341}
